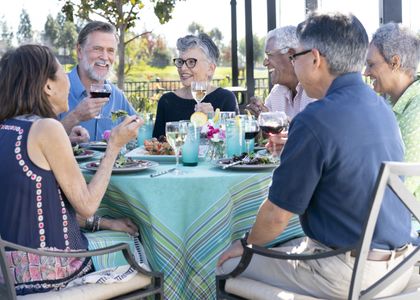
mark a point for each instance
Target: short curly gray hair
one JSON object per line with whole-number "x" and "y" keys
{"x": 202, "y": 41}
{"x": 283, "y": 38}
{"x": 394, "y": 39}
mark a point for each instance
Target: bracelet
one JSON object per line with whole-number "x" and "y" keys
{"x": 244, "y": 240}
{"x": 96, "y": 221}
{"x": 89, "y": 223}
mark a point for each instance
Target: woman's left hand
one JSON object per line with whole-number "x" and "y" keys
{"x": 124, "y": 225}
{"x": 204, "y": 107}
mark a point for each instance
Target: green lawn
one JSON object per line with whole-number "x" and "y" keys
{"x": 146, "y": 73}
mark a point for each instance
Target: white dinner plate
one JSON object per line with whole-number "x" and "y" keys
{"x": 139, "y": 165}
{"x": 223, "y": 162}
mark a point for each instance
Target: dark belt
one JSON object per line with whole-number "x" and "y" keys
{"x": 376, "y": 255}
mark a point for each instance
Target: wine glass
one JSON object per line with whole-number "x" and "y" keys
{"x": 251, "y": 130}
{"x": 273, "y": 123}
{"x": 199, "y": 90}
{"x": 99, "y": 90}
{"x": 176, "y": 133}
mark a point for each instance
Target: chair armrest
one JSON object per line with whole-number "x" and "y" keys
{"x": 115, "y": 248}
{"x": 250, "y": 250}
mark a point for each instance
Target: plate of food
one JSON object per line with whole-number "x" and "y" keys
{"x": 158, "y": 150}
{"x": 154, "y": 149}
{"x": 82, "y": 154}
{"x": 123, "y": 165}
{"x": 246, "y": 162}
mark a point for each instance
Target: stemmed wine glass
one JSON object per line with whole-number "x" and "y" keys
{"x": 199, "y": 90}
{"x": 273, "y": 123}
{"x": 99, "y": 90}
{"x": 176, "y": 133}
{"x": 251, "y": 130}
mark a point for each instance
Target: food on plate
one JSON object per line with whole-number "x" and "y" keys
{"x": 158, "y": 146}
{"x": 77, "y": 150}
{"x": 123, "y": 162}
{"x": 118, "y": 114}
{"x": 199, "y": 118}
{"x": 251, "y": 159}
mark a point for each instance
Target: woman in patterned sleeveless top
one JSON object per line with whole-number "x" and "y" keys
{"x": 42, "y": 186}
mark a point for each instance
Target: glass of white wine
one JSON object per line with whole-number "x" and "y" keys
{"x": 176, "y": 133}
{"x": 199, "y": 90}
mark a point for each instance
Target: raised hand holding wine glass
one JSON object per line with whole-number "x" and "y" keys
{"x": 99, "y": 90}
{"x": 273, "y": 123}
{"x": 176, "y": 133}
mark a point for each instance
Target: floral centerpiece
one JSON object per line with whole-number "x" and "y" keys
{"x": 216, "y": 137}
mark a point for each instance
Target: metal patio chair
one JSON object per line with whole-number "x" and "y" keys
{"x": 230, "y": 286}
{"x": 144, "y": 284}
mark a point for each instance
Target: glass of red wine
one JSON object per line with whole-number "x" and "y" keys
{"x": 273, "y": 123}
{"x": 99, "y": 90}
{"x": 251, "y": 130}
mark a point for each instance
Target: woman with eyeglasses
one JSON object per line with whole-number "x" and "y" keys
{"x": 197, "y": 61}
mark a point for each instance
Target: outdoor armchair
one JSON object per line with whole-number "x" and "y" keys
{"x": 230, "y": 286}
{"x": 144, "y": 283}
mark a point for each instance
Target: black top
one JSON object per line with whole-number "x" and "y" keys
{"x": 173, "y": 108}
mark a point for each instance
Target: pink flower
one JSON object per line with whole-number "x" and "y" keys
{"x": 106, "y": 135}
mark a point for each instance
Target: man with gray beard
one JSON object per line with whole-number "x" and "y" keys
{"x": 96, "y": 52}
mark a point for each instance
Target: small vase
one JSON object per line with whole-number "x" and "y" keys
{"x": 216, "y": 150}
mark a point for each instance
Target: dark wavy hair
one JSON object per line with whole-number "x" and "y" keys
{"x": 23, "y": 74}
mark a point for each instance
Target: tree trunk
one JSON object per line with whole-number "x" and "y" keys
{"x": 121, "y": 57}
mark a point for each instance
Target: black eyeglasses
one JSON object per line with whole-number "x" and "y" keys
{"x": 189, "y": 62}
{"x": 292, "y": 58}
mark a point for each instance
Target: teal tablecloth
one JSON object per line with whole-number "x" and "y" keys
{"x": 186, "y": 221}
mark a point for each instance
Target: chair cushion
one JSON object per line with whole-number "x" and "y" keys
{"x": 256, "y": 290}
{"x": 414, "y": 283}
{"x": 93, "y": 291}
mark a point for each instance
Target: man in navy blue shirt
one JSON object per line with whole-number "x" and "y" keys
{"x": 328, "y": 170}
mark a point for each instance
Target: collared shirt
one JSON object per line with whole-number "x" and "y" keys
{"x": 330, "y": 163}
{"x": 117, "y": 101}
{"x": 407, "y": 111}
{"x": 281, "y": 99}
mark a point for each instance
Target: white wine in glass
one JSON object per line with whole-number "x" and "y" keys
{"x": 176, "y": 134}
{"x": 199, "y": 90}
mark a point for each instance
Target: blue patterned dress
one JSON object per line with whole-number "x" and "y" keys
{"x": 35, "y": 213}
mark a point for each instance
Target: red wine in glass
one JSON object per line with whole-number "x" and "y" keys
{"x": 249, "y": 135}
{"x": 103, "y": 94}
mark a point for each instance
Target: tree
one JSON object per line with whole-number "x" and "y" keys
{"x": 122, "y": 14}
{"x": 195, "y": 28}
{"x": 24, "y": 33}
{"x": 67, "y": 38}
{"x": 6, "y": 36}
{"x": 161, "y": 56}
{"x": 51, "y": 32}
{"x": 258, "y": 49}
